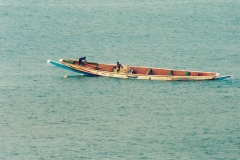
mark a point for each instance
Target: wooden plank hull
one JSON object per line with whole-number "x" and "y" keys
{"x": 135, "y": 72}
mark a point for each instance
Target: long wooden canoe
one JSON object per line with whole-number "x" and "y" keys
{"x": 135, "y": 72}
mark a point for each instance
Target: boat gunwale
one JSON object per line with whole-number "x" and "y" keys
{"x": 217, "y": 73}
{"x": 118, "y": 75}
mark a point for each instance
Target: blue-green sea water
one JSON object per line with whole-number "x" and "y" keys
{"x": 46, "y": 116}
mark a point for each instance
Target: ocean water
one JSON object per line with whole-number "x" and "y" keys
{"x": 46, "y": 116}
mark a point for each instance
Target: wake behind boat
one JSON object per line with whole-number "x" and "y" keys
{"x": 83, "y": 67}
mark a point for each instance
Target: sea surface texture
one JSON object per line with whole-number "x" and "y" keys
{"x": 46, "y": 116}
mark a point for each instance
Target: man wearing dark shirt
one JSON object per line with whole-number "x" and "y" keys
{"x": 81, "y": 60}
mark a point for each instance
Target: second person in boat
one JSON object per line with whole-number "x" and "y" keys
{"x": 118, "y": 66}
{"x": 82, "y": 60}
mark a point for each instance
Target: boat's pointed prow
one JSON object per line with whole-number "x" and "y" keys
{"x": 60, "y": 65}
{"x": 223, "y": 77}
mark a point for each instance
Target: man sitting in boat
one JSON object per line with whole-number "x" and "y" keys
{"x": 82, "y": 60}
{"x": 118, "y": 66}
